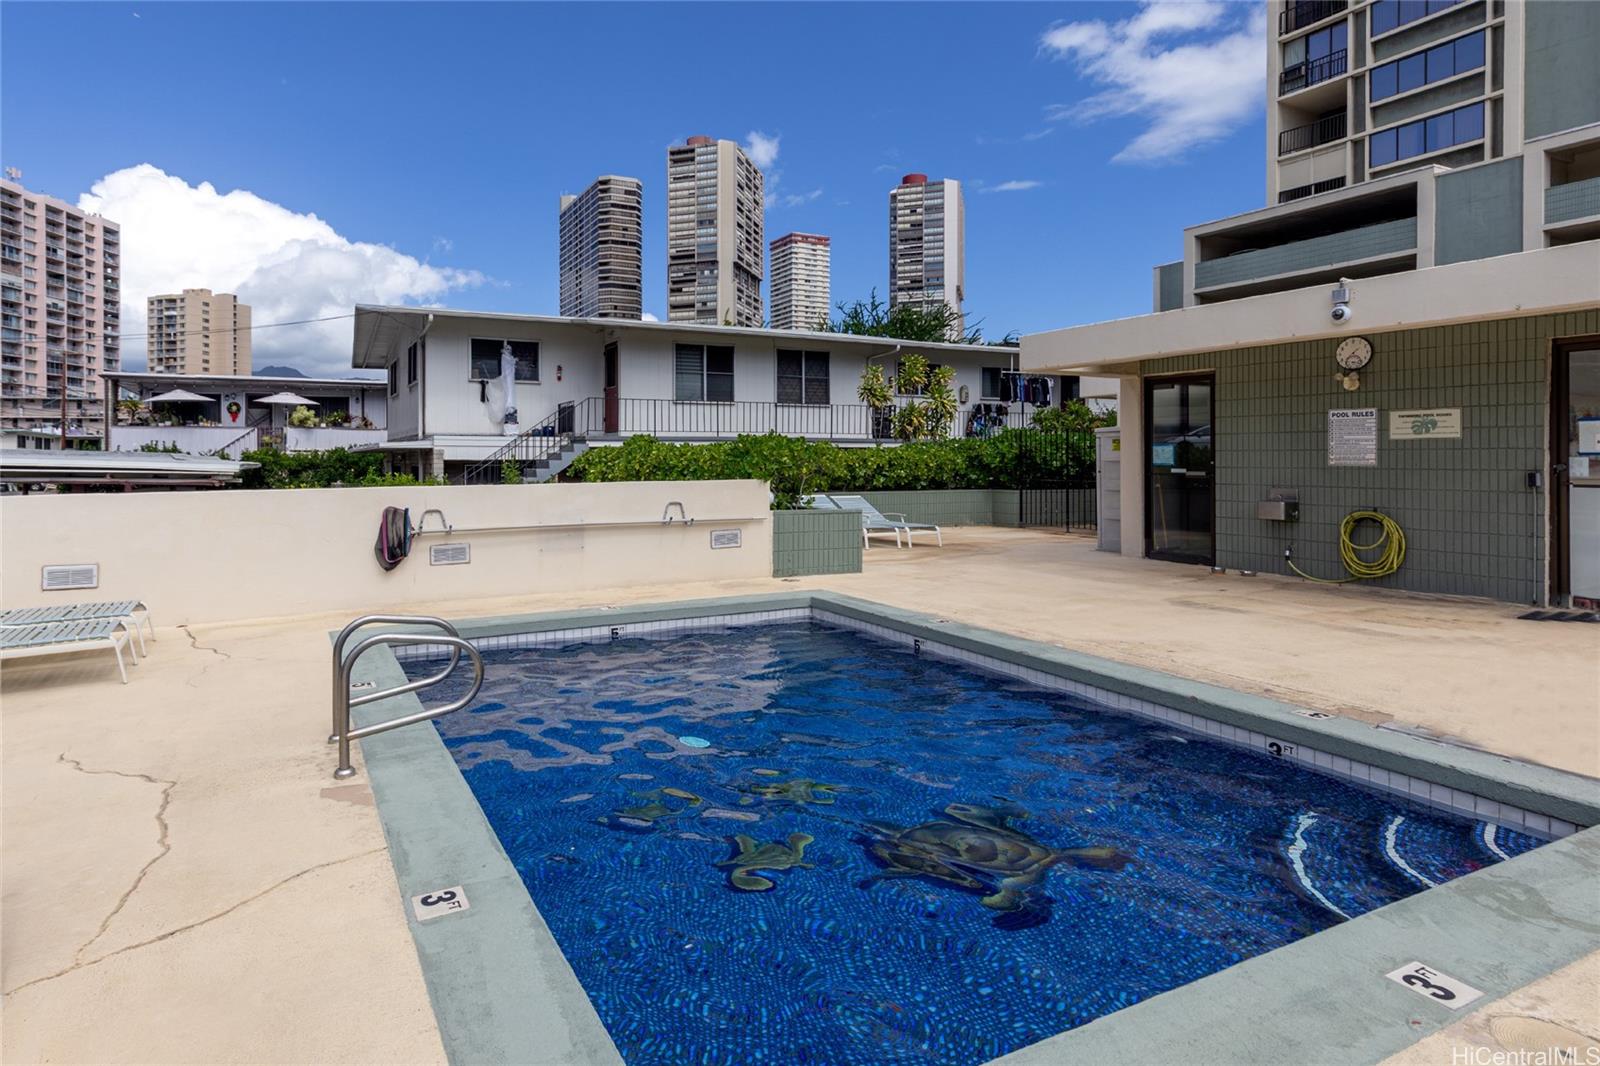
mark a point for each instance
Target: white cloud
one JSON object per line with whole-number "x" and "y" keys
{"x": 646, "y": 316}
{"x": 800, "y": 199}
{"x": 762, "y": 150}
{"x": 1014, "y": 186}
{"x": 286, "y": 265}
{"x": 1199, "y": 82}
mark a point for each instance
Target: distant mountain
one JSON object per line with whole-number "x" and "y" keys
{"x": 278, "y": 372}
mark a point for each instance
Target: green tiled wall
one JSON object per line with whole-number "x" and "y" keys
{"x": 1478, "y": 212}
{"x": 815, "y": 542}
{"x": 1578, "y": 199}
{"x": 1472, "y": 526}
{"x": 942, "y": 507}
{"x": 1364, "y": 242}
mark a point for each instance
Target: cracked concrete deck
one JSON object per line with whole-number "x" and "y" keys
{"x": 184, "y": 881}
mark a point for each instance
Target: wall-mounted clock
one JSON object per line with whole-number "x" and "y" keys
{"x": 1353, "y": 353}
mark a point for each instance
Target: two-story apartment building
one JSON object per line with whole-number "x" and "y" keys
{"x": 1412, "y": 324}
{"x": 600, "y": 380}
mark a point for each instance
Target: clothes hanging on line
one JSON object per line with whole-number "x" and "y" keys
{"x": 1016, "y": 387}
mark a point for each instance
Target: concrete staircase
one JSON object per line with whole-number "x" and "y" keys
{"x": 550, "y": 466}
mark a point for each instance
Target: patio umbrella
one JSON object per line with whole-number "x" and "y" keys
{"x": 180, "y": 396}
{"x": 286, "y": 399}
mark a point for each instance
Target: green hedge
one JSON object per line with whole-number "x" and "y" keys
{"x": 795, "y": 467}
{"x": 318, "y": 470}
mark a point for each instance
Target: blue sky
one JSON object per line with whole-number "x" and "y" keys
{"x": 431, "y": 141}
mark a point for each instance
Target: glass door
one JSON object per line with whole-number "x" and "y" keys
{"x": 1180, "y": 468}
{"x": 1575, "y": 475}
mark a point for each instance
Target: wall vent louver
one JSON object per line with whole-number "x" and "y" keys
{"x": 449, "y": 554}
{"x": 726, "y": 538}
{"x": 75, "y": 576}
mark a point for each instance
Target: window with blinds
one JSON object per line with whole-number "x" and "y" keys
{"x": 802, "y": 377}
{"x": 703, "y": 372}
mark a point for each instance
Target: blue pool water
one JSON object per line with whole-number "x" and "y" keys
{"x": 797, "y": 844}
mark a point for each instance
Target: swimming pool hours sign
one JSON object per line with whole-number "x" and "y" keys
{"x": 1353, "y": 436}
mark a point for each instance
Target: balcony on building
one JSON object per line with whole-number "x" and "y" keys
{"x": 1302, "y": 14}
{"x": 1572, "y": 201}
{"x": 1324, "y": 129}
{"x": 1363, "y": 232}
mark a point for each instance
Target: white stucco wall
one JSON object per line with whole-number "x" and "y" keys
{"x": 270, "y": 553}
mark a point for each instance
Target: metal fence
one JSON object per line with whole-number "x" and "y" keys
{"x": 1056, "y": 479}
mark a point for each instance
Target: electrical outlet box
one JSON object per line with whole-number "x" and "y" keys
{"x": 1278, "y": 510}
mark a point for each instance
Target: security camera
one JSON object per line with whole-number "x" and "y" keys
{"x": 1342, "y": 312}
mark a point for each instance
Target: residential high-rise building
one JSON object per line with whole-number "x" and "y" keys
{"x": 800, "y": 281}
{"x": 197, "y": 331}
{"x": 1403, "y": 135}
{"x": 715, "y": 237}
{"x": 60, "y": 308}
{"x": 602, "y": 272}
{"x": 927, "y": 244}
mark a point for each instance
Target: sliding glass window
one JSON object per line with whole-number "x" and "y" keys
{"x": 1434, "y": 134}
{"x": 1424, "y": 68}
{"x": 1392, "y": 14}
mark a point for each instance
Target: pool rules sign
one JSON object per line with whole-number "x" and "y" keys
{"x": 1353, "y": 436}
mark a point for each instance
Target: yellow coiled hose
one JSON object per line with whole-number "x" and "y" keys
{"x": 1390, "y": 546}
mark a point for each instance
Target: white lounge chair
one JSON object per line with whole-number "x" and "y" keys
{"x": 868, "y": 524}
{"x": 60, "y": 638}
{"x": 134, "y": 611}
{"x": 873, "y": 520}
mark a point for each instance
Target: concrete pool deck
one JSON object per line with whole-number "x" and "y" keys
{"x": 186, "y": 882}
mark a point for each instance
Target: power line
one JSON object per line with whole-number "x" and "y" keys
{"x": 229, "y": 329}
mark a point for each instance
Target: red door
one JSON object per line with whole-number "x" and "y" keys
{"x": 611, "y": 395}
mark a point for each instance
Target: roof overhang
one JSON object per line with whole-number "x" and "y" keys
{"x": 240, "y": 382}
{"x": 1543, "y": 281}
{"x": 381, "y": 331}
{"x": 71, "y": 467}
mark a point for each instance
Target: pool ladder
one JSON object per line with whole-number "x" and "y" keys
{"x": 343, "y": 665}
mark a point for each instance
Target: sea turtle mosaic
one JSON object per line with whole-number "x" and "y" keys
{"x": 801, "y": 791}
{"x": 643, "y": 817}
{"x": 752, "y": 856}
{"x": 977, "y": 850}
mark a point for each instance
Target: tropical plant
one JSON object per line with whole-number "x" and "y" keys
{"x": 873, "y": 389}
{"x": 1074, "y": 416}
{"x": 320, "y": 470}
{"x": 163, "y": 448}
{"x": 510, "y": 472}
{"x": 302, "y": 418}
{"x": 907, "y": 322}
{"x": 795, "y": 468}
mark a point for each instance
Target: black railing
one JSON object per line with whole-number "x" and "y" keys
{"x": 1305, "y": 12}
{"x": 1325, "y": 129}
{"x": 1300, "y": 192}
{"x": 1311, "y": 72}
{"x": 570, "y": 422}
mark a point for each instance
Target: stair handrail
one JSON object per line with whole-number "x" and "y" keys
{"x": 342, "y": 706}
{"x": 488, "y": 469}
{"x": 343, "y": 688}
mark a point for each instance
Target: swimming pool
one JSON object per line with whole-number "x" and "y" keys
{"x": 796, "y": 843}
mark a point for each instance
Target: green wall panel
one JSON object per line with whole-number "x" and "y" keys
{"x": 815, "y": 542}
{"x": 1472, "y": 526}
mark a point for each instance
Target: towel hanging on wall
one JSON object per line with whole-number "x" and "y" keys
{"x": 394, "y": 537}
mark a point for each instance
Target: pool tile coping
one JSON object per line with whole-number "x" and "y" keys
{"x": 534, "y": 1008}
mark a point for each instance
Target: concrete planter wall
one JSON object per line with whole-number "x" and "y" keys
{"x": 815, "y": 542}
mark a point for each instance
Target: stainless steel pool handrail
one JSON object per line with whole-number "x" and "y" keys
{"x": 342, "y": 701}
{"x": 385, "y": 619}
